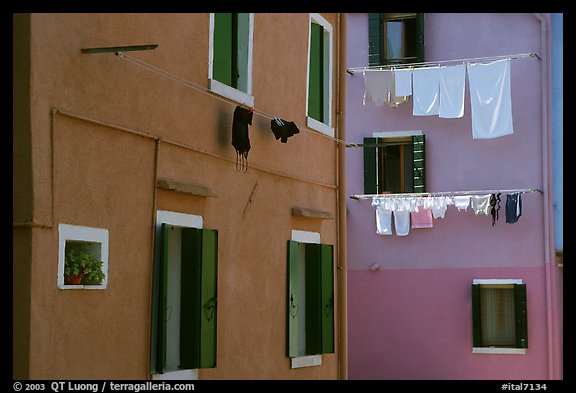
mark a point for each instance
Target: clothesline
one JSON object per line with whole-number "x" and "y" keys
{"x": 388, "y": 67}
{"x": 201, "y": 89}
{"x": 444, "y": 193}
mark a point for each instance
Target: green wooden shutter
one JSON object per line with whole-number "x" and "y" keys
{"x": 209, "y": 298}
{"x": 420, "y": 38}
{"x": 316, "y": 73}
{"x": 198, "y": 319}
{"x": 327, "y": 262}
{"x": 375, "y": 37}
{"x": 292, "y": 304}
{"x": 190, "y": 278}
{"x": 476, "y": 317}
{"x": 370, "y": 166}
{"x": 418, "y": 159}
{"x": 224, "y": 58}
{"x": 521, "y": 315}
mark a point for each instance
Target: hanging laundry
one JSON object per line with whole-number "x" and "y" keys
{"x": 240, "y": 139}
{"x": 513, "y": 207}
{"x": 402, "y": 82}
{"x": 439, "y": 206}
{"x": 378, "y": 85}
{"x": 383, "y": 216}
{"x": 421, "y": 218}
{"x": 495, "y": 206}
{"x": 481, "y": 204}
{"x": 401, "y": 211}
{"x": 426, "y": 91}
{"x": 490, "y": 99}
{"x": 379, "y": 88}
{"x": 452, "y": 82}
{"x": 461, "y": 202}
{"x": 283, "y": 129}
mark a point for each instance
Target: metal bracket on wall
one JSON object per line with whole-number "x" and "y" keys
{"x": 115, "y": 49}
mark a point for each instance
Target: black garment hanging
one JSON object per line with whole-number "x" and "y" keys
{"x": 283, "y": 129}
{"x": 513, "y": 207}
{"x": 240, "y": 139}
{"x": 495, "y": 206}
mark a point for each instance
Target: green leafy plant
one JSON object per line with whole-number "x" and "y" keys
{"x": 78, "y": 263}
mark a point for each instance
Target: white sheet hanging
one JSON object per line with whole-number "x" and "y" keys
{"x": 490, "y": 99}
{"x": 426, "y": 91}
{"x": 378, "y": 86}
{"x": 403, "y": 82}
{"x": 452, "y": 82}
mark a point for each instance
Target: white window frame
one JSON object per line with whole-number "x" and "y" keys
{"x": 181, "y": 220}
{"x": 326, "y": 126}
{"x": 223, "y": 89}
{"x": 307, "y": 360}
{"x": 68, "y": 232}
{"x": 495, "y": 282}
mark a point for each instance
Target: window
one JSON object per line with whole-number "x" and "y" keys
{"x": 184, "y": 312}
{"x": 499, "y": 317}
{"x": 395, "y": 38}
{"x": 79, "y": 239}
{"x": 319, "y": 101}
{"x": 230, "y": 70}
{"x": 310, "y": 303}
{"x": 394, "y": 163}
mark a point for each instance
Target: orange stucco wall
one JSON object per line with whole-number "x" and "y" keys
{"x": 89, "y": 168}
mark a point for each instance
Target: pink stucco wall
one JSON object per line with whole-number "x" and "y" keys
{"x": 412, "y": 319}
{"x": 417, "y": 324}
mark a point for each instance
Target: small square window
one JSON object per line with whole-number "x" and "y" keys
{"x": 82, "y": 257}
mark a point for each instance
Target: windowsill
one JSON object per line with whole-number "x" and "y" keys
{"x": 190, "y": 375}
{"x": 318, "y": 126}
{"x": 306, "y": 361}
{"x": 503, "y": 351}
{"x": 229, "y": 92}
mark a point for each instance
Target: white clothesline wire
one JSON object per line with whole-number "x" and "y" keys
{"x": 444, "y": 193}
{"x": 353, "y": 70}
{"x": 187, "y": 83}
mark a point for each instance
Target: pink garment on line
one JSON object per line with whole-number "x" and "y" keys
{"x": 422, "y": 218}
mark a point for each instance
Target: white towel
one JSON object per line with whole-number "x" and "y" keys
{"x": 378, "y": 87}
{"x": 426, "y": 91}
{"x": 490, "y": 99}
{"x": 403, "y": 82}
{"x": 452, "y": 81}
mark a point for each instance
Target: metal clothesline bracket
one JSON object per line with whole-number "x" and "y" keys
{"x": 388, "y": 67}
{"x": 117, "y": 49}
{"x": 444, "y": 193}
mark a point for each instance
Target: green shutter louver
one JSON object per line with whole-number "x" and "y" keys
{"x": 316, "y": 73}
{"x": 370, "y": 166}
{"x": 418, "y": 167}
{"x": 476, "y": 317}
{"x": 521, "y": 315}
{"x": 420, "y": 38}
{"x": 375, "y": 37}
{"x": 292, "y": 304}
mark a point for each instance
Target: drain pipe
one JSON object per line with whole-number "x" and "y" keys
{"x": 342, "y": 269}
{"x": 547, "y": 188}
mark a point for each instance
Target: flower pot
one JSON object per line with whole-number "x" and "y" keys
{"x": 73, "y": 280}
